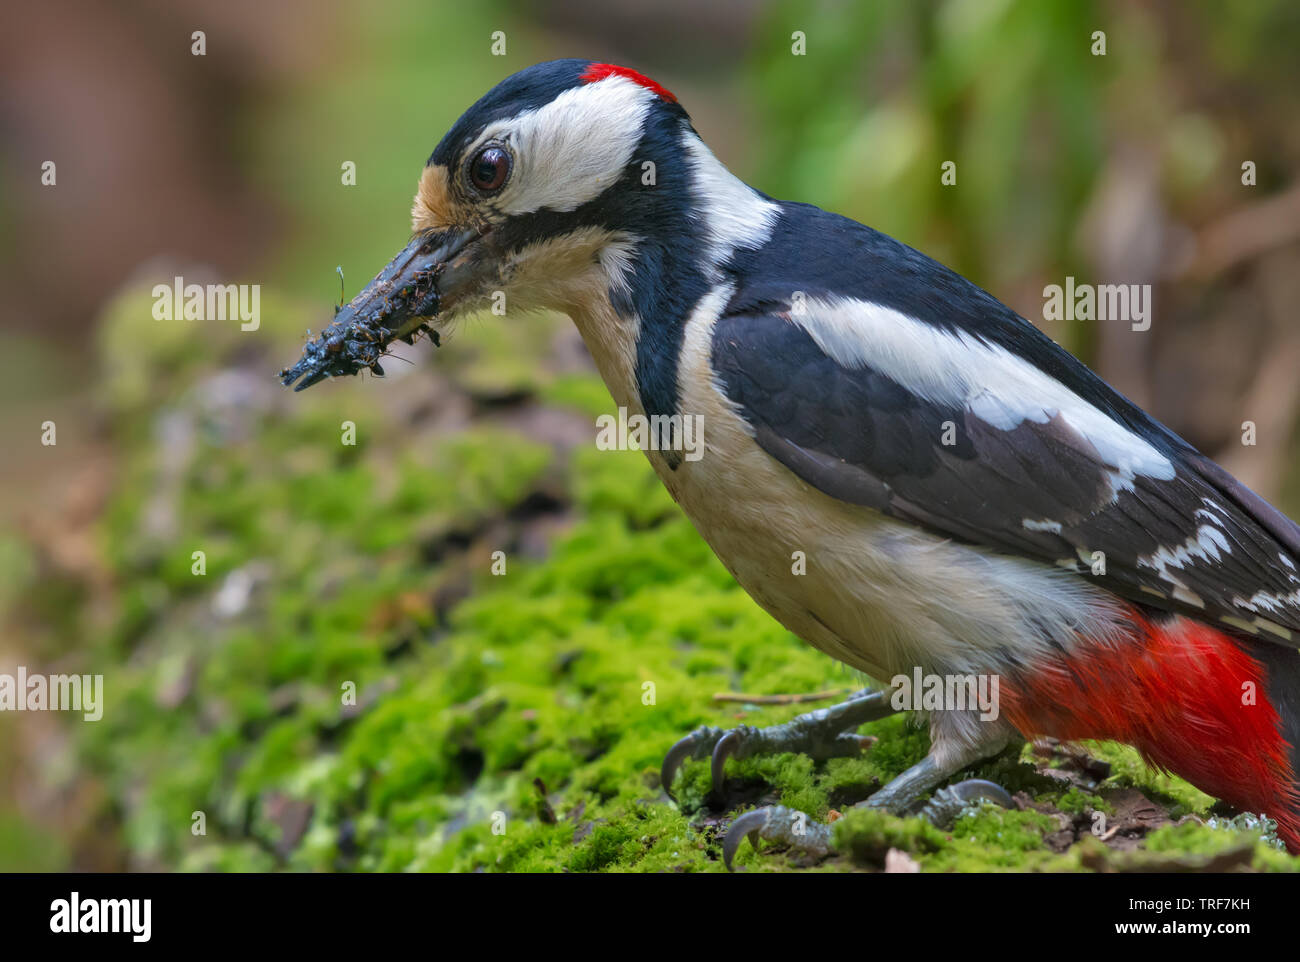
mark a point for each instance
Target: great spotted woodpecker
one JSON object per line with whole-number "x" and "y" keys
{"x": 951, "y": 476}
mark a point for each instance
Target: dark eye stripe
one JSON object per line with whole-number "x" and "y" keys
{"x": 489, "y": 169}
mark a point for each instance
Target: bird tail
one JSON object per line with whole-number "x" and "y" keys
{"x": 1282, "y": 691}
{"x": 1222, "y": 712}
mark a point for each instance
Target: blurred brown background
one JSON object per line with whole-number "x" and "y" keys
{"x": 1122, "y": 168}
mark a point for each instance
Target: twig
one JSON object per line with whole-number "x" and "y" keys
{"x": 780, "y": 699}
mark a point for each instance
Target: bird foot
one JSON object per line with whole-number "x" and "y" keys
{"x": 776, "y": 823}
{"x": 824, "y": 733}
{"x": 813, "y": 839}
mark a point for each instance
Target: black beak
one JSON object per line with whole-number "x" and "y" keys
{"x": 429, "y": 275}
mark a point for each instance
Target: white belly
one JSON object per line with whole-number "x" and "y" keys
{"x": 879, "y": 595}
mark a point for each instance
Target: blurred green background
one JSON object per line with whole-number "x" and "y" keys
{"x": 330, "y": 565}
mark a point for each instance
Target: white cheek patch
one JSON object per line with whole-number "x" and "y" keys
{"x": 570, "y": 150}
{"x": 957, "y": 369}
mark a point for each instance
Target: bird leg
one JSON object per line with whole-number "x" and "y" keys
{"x": 776, "y": 823}
{"x": 824, "y": 733}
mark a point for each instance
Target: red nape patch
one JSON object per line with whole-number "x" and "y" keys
{"x": 599, "y": 71}
{"x": 1188, "y": 697}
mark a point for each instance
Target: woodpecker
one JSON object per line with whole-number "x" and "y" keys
{"x": 969, "y": 498}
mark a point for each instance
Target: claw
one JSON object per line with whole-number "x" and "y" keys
{"x": 724, "y": 749}
{"x": 689, "y": 746}
{"x": 974, "y": 789}
{"x": 745, "y": 826}
{"x": 680, "y": 751}
{"x": 947, "y": 803}
{"x": 778, "y": 824}
{"x": 824, "y": 733}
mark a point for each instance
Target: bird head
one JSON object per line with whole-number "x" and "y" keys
{"x": 542, "y": 195}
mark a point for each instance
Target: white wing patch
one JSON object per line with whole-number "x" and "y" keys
{"x": 1208, "y": 544}
{"x": 1052, "y": 527}
{"x": 1268, "y": 601}
{"x": 955, "y": 368}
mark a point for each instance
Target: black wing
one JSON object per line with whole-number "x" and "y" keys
{"x": 1200, "y": 543}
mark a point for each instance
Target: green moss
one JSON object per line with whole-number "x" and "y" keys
{"x": 866, "y": 835}
{"x": 1128, "y": 769}
{"x": 367, "y": 569}
{"x": 990, "y": 838}
{"x": 983, "y": 839}
{"x": 1078, "y": 802}
{"x": 1192, "y": 846}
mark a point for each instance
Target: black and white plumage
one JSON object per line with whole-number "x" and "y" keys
{"x": 969, "y": 498}
{"x": 894, "y": 383}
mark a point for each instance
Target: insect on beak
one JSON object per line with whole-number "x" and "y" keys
{"x": 425, "y": 279}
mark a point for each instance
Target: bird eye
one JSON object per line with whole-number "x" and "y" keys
{"x": 489, "y": 168}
